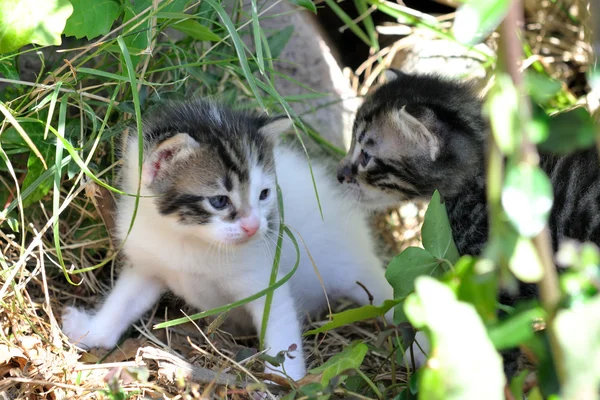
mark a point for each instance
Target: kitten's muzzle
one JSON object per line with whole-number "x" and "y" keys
{"x": 345, "y": 174}
{"x": 250, "y": 225}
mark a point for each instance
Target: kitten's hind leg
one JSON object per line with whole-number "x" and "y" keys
{"x": 131, "y": 297}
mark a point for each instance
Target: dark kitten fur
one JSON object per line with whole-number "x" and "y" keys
{"x": 415, "y": 134}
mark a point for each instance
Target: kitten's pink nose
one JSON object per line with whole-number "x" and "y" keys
{"x": 250, "y": 225}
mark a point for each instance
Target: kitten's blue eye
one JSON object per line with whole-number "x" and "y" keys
{"x": 264, "y": 194}
{"x": 219, "y": 202}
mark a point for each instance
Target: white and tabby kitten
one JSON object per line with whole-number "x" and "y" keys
{"x": 208, "y": 231}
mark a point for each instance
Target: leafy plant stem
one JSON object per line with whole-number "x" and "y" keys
{"x": 370, "y": 383}
{"x": 510, "y": 53}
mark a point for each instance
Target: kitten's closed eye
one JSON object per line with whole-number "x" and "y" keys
{"x": 219, "y": 202}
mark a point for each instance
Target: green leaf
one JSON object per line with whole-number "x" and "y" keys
{"x": 525, "y": 263}
{"x": 195, "y": 30}
{"x": 350, "y": 358}
{"x": 32, "y": 21}
{"x": 453, "y": 373}
{"x": 541, "y": 87}
{"x": 278, "y": 40}
{"x": 13, "y": 224}
{"x": 516, "y": 384}
{"x": 436, "y": 231}
{"x": 568, "y": 131}
{"x": 92, "y": 19}
{"x": 354, "y": 315}
{"x": 515, "y": 330}
{"x": 477, "y": 288}
{"x": 405, "y": 268}
{"x": 35, "y": 169}
{"x": 476, "y": 19}
{"x": 308, "y": 4}
{"x": 8, "y": 69}
{"x": 502, "y": 108}
{"x": 527, "y": 198}
{"x": 137, "y": 40}
{"x": 578, "y": 333}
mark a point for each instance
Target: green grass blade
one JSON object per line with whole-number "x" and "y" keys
{"x": 104, "y": 74}
{"x": 239, "y": 48}
{"x": 62, "y": 118}
{"x": 9, "y": 117}
{"x": 18, "y": 199}
{"x": 239, "y": 303}
{"x": 31, "y": 188}
{"x": 361, "y": 6}
{"x": 53, "y": 99}
{"x": 274, "y": 269}
{"x": 257, "y": 38}
{"x": 138, "y": 117}
{"x": 348, "y": 21}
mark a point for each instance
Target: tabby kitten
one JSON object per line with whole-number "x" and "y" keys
{"x": 417, "y": 133}
{"x": 206, "y": 229}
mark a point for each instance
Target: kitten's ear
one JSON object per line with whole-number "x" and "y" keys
{"x": 391, "y": 74}
{"x": 274, "y": 127}
{"x": 415, "y": 131}
{"x": 165, "y": 155}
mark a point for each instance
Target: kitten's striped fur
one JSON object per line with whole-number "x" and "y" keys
{"x": 416, "y": 134}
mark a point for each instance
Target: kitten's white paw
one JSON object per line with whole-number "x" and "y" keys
{"x": 420, "y": 356}
{"x": 294, "y": 368}
{"x": 79, "y": 327}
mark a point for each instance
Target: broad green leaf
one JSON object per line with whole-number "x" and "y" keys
{"x": 32, "y": 21}
{"x": 535, "y": 394}
{"x": 436, "y": 231}
{"x": 195, "y": 30}
{"x": 405, "y": 268}
{"x": 138, "y": 39}
{"x": 308, "y": 4}
{"x": 525, "y": 263}
{"x": 502, "y": 108}
{"x": 175, "y": 6}
{"x": 515, "y": 330}
{"x": 354, "y": 315}
{"x": 35, "y": 169}
{"x": 477, "y": 288}
{"x": 568, "y": 131}
{"x": 278, "y": 40}
{"x": 452, "y": 373}
{"x": 476, "y": 19}
{"x": 540, "y": 87}
{"x": 8, "y": 69}
{"x": 92, "y": 19}
{"x": 527, "y": 198}
{"x": 578, "y": 332}
{"x": 516, "y": 384}
{"x": 350, "y": 358}
{"x": 13, "y": 224}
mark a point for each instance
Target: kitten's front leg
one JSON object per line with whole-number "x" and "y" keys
{"x": 284, "y": 329}
{"x": 131, "y": 297}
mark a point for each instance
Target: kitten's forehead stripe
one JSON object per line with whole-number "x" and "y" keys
{"x": 227, "y": 183}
